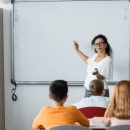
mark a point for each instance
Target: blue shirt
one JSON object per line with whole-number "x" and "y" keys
{"x": 98, "y": 101}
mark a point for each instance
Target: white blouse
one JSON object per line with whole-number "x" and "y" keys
{"x": 105, "y": 68}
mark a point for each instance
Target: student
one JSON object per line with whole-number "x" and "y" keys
{"x": 100, "y": 64}
{"x": 118, "y": 112}
{"x": 58, "y": 114}
{"x": 97, "y": 99}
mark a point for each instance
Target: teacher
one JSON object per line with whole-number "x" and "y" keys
{"x": 99, "y": 65}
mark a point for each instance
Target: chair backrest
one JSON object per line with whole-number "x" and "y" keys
{"x": 91, "y": 112}
{"x": 119, "y": 127}
{"x": 69, "y": 127}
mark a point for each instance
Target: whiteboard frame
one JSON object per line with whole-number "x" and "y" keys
{"x": 70, "y": 83}
{"x": 59, "y": 0}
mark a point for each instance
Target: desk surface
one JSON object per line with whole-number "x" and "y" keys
{"x": 97, "y": 122}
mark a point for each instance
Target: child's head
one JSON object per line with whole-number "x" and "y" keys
{"x": 96, "y": 87}
{"x": 121, "y": 100}
{"x": 58, "y": 90}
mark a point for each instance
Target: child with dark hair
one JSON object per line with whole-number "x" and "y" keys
{"x": 58, "y": 90}
{"x": 59, "y": 114}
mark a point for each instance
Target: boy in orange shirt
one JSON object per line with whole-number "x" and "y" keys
{"x": 59, "y": 114}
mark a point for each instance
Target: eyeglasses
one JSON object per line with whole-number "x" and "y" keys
{"x": 98, "y": 44}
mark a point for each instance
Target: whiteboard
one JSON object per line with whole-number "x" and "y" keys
{"x": 43, "y": 33}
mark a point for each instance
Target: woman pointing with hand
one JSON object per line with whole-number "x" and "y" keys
{"x": 100, "y": 64}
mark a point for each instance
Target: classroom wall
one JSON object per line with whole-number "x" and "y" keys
{"x": 20, "y": 114}
{"x": 1, "y": 73}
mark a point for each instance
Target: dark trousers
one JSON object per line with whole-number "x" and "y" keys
{"x": 89, "y": 94}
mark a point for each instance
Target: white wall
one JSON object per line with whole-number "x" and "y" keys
{"x": 20, "y": 114}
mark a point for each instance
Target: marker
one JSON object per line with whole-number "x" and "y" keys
{"x": 75, "y": 42}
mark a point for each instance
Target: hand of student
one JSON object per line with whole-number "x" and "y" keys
{"x": 107, "y": 121}
{"x": 76, "y": 45}
{"x": 77, "y": 123}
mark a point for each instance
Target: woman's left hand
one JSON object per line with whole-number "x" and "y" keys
{"x": 98, "y": 75}
{"x": 95, "y": 71}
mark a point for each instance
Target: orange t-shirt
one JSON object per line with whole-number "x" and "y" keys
{"x": 59, "y": 115}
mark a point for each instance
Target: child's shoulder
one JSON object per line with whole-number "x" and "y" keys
{"x": 71, "y": 107}
{"x": 44, "y": 108}
{"x": 65, "y": 107}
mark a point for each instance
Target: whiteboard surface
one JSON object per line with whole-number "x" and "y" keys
{"x": 44, "y": 31}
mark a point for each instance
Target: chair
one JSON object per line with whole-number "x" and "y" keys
{"x": 119, "y": 127}
{"x": 91, "y": 112}
{"x": 69, "y": 127}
